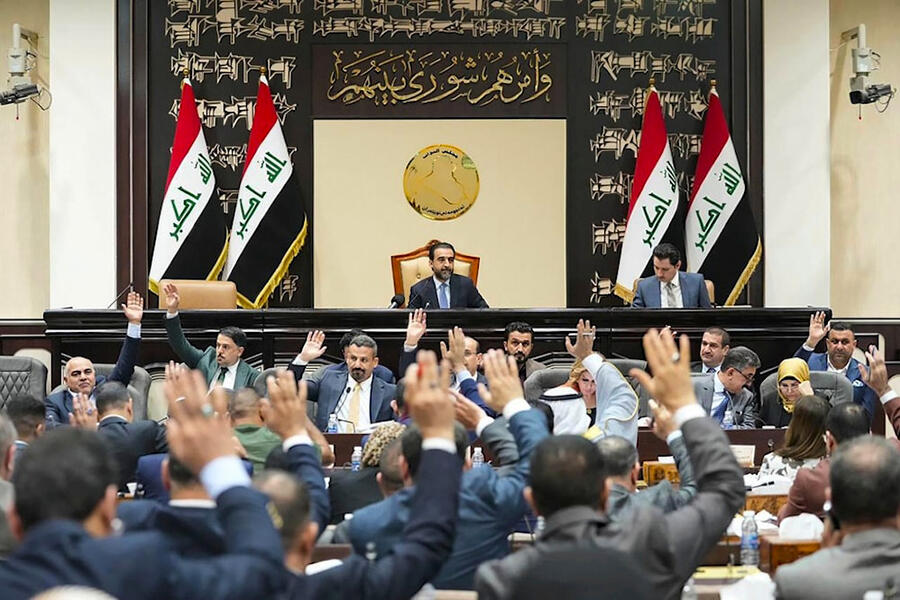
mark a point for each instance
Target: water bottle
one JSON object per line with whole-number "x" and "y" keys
{"x": 689, "y": 591}
{"x": 332, "y": 423}
{"x": 356, "y": 458}
{"x": 749, "y": 540}
{"x": 477, "y": 458}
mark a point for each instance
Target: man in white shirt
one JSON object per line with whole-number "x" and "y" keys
{"x": 713, "y": 347}
{"x": 669, "y": 288}
{"x": 353, "y": 396}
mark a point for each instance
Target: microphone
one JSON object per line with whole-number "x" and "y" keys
{"x": 122, "y": 293}
{"x": 396, "y": 301}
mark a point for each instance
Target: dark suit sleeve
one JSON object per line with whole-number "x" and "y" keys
{"x": 892, "y": 410}
{"x": 475, "y": 298}
{"x": 500, "y": 442}
{"x": 305, "y": 464}
{"x": 427, "y": 541}
{"x": 185, "y": 351}
{"x": 694, "y": 529}
{"x": 53, "y": 411}
{"x": 687, "y": 487}
{"x": 124, "y": 368}
{"x": 639, "y": 301}
{"x": 415, "y": 298}
{"x": 703, "y": 294}
{"x": 252, "y": 566}
{"x": 468, "y": 387}
{"x": 803, "y": 353}
{"x": 406, "y": 359}
{"x": 160, "y": 441}
{"x": 312, "y": 385}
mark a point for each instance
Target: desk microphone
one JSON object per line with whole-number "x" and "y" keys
{"x": 396, "y": 301}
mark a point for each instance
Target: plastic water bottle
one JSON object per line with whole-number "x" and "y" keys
{"x": 749, "y": 540}
{"x": 477, "y": 458}
{"x": 356, "y": 458}
{"x": 332, "y": 423}
{"x": 689, "y": 591}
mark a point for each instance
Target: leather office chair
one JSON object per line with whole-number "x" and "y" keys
{"x": 198, "y": 293}
{"x": 833, "y": 387}
{"x": 138, "y": 387}
{"x": 21, "y": 374}
{"x": 408, "y": 269}
{"x": 262, "y": 389}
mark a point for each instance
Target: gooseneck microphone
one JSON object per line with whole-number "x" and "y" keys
{"x": 396, "y": 301}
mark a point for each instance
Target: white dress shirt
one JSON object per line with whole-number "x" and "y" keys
{"x": 343, "y": 406}
{"x": 664, "y": 297}
{"x": 228, "y": 383}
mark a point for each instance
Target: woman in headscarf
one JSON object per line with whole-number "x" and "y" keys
{"x": 569, "y": 402}
{"x": 792, "y": 384}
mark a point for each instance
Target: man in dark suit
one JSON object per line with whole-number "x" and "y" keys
{"x": 444, "y": 289}
{"x": 567, "y": 488}
{"x": 66, "y": 503}
{"x": 724, "y": 395}
{"x": 79, "y": 376}
{"x": 381, "y": 371}
{"x": 221, "y": 365}
{"x": 128, "y": 440}
{"x": 669, "y": 287}
{"x": 714, "y": 345}
{"x": 356, "y": 397}
{"x": 7, "y": 448}
{"x": 491, "y": 504}
{"x": 840, "y": 342}
{"x": 27, "y": 415}
{"x": 861, "y": 544}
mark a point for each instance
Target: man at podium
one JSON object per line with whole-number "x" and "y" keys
{"x": 444, "y": 289}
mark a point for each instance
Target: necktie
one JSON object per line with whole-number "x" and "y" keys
{"x": 670, "y": 295}
{"x": 719, "y": 412}
{"x": 711, "y": 370}
{"x": 354, "y": 407}
{"x": 220, "y": 380}
{"x": 444, "y": 296}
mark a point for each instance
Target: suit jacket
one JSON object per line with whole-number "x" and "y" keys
{"x": 862, "y": 394}
{"x": 8, "y": 541}
{"x": 194, "y": 532}
{"x": 693, "y": 292}
{"x": 621, "y": 504}
{"x": 327, "y": 391}
{"x": 463, "y": 294}
{"x": 409, "y": 357}
{"x": 864, "y": 561}
{"x": 350, "y": 491}
{"x": 144, "y": 566}
{"x": 490, "y": 506}
{"x": 669, "y": 547}
{"x": 426, "y": 543}
{"x": 130, "y": 441}
{"x": 20, "y": 450}
{"x": 744, "y": 406}
{"x": 58, "y": 405}
{"x": 148, "y": 475}
{"x": 807, "y": 492}
{"x": 205, "y": 360}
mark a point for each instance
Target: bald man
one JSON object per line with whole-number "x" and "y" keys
{"x": 79, "y": 376}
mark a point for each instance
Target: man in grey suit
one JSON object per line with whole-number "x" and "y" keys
{"x": 862, "y": 552}
{"x": 723, "y": 395}
{"x": 668, "y": 287}
{"x": 567, "y": 475}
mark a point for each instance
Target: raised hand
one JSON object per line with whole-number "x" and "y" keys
{"x": 584, "y": 342}
{"x": 455, "y": 349}
{"x": 427, "y": 397}
{"x": 416, "y": 328}
{"x": 196, "y": 435}
{"x": 83, "y": 415}
{"x": 467, "y": 412}
{"x": 875, "y": 375}
{"x": 284, "y": 411}
{"x": 172, "y": 299}
{"x": 502, "y": 374}
{"x": 313, "y": 347}
{"x": 817, "y": 329}
{"x": 670, "y": 385}
{"x": 663, "y": 424}
{"x": 134, "y": 308}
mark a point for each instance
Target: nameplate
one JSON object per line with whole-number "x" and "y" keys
{"x": 744, "y": 454}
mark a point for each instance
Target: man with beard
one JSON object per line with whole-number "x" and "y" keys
{"x": 444, "y": 289}
{"x": 356, "y": 397}
{"x": 518, "y": 342}
{"x": 840, "y": 342}
{"x": 221, "y": 365}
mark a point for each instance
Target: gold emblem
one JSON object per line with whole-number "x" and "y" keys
{"x": 441, "y": 182}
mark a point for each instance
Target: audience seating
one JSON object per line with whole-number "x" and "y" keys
{"x": 21, "y": 374}
{"x": 833, "y": 387}
{"x": 198, "y": 293}
{"x": 43, "y": 356}
{"x": 407, "y": 269}
{"x": 138, "y": 387}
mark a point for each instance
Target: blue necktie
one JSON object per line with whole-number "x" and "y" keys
{"x": 719, "y": 412}
{"x": 444, "y": 296}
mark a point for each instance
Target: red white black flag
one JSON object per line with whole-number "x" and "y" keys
{"x": 269, "y": 226}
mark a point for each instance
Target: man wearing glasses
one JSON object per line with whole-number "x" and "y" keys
{"x": 79, "y": 376}
{"x": 840, "y": 342}
{"x": 725, "y": 396}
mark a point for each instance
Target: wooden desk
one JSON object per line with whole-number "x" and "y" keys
{"x": 344, "y": 443}
{"x": 773, "y": 551}
{"x": 759, "y": 502}
{"x": 650, "y": 447}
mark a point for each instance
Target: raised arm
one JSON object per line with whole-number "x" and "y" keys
{"x": 185, "y": 351}
{"x": 664, "y": 428}
{"x": 817, "y": 331}
{"x": 415, "y": 329}
{"x": 312, "y": 349}
{"x": 876, "y": 377}
{"x": 134, "y": 312}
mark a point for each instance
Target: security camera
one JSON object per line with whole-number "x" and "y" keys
{"x": 19, "y": 85}
{"x": 864, "y": 60}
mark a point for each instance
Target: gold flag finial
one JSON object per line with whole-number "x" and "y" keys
{"x": 185, "y": 72}
{"x": 653, "y": 82}
{"x": 712, "y": 83}
{"x": 262, "y": 71}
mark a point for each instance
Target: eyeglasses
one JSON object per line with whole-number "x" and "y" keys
{"x": 749, "y": 377}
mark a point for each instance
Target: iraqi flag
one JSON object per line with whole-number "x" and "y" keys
{"x": 269, "y": 226}
{"x": 191, "y": 235}
{"x": 654, "y": 199}
{"x": 720, "y": 234}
